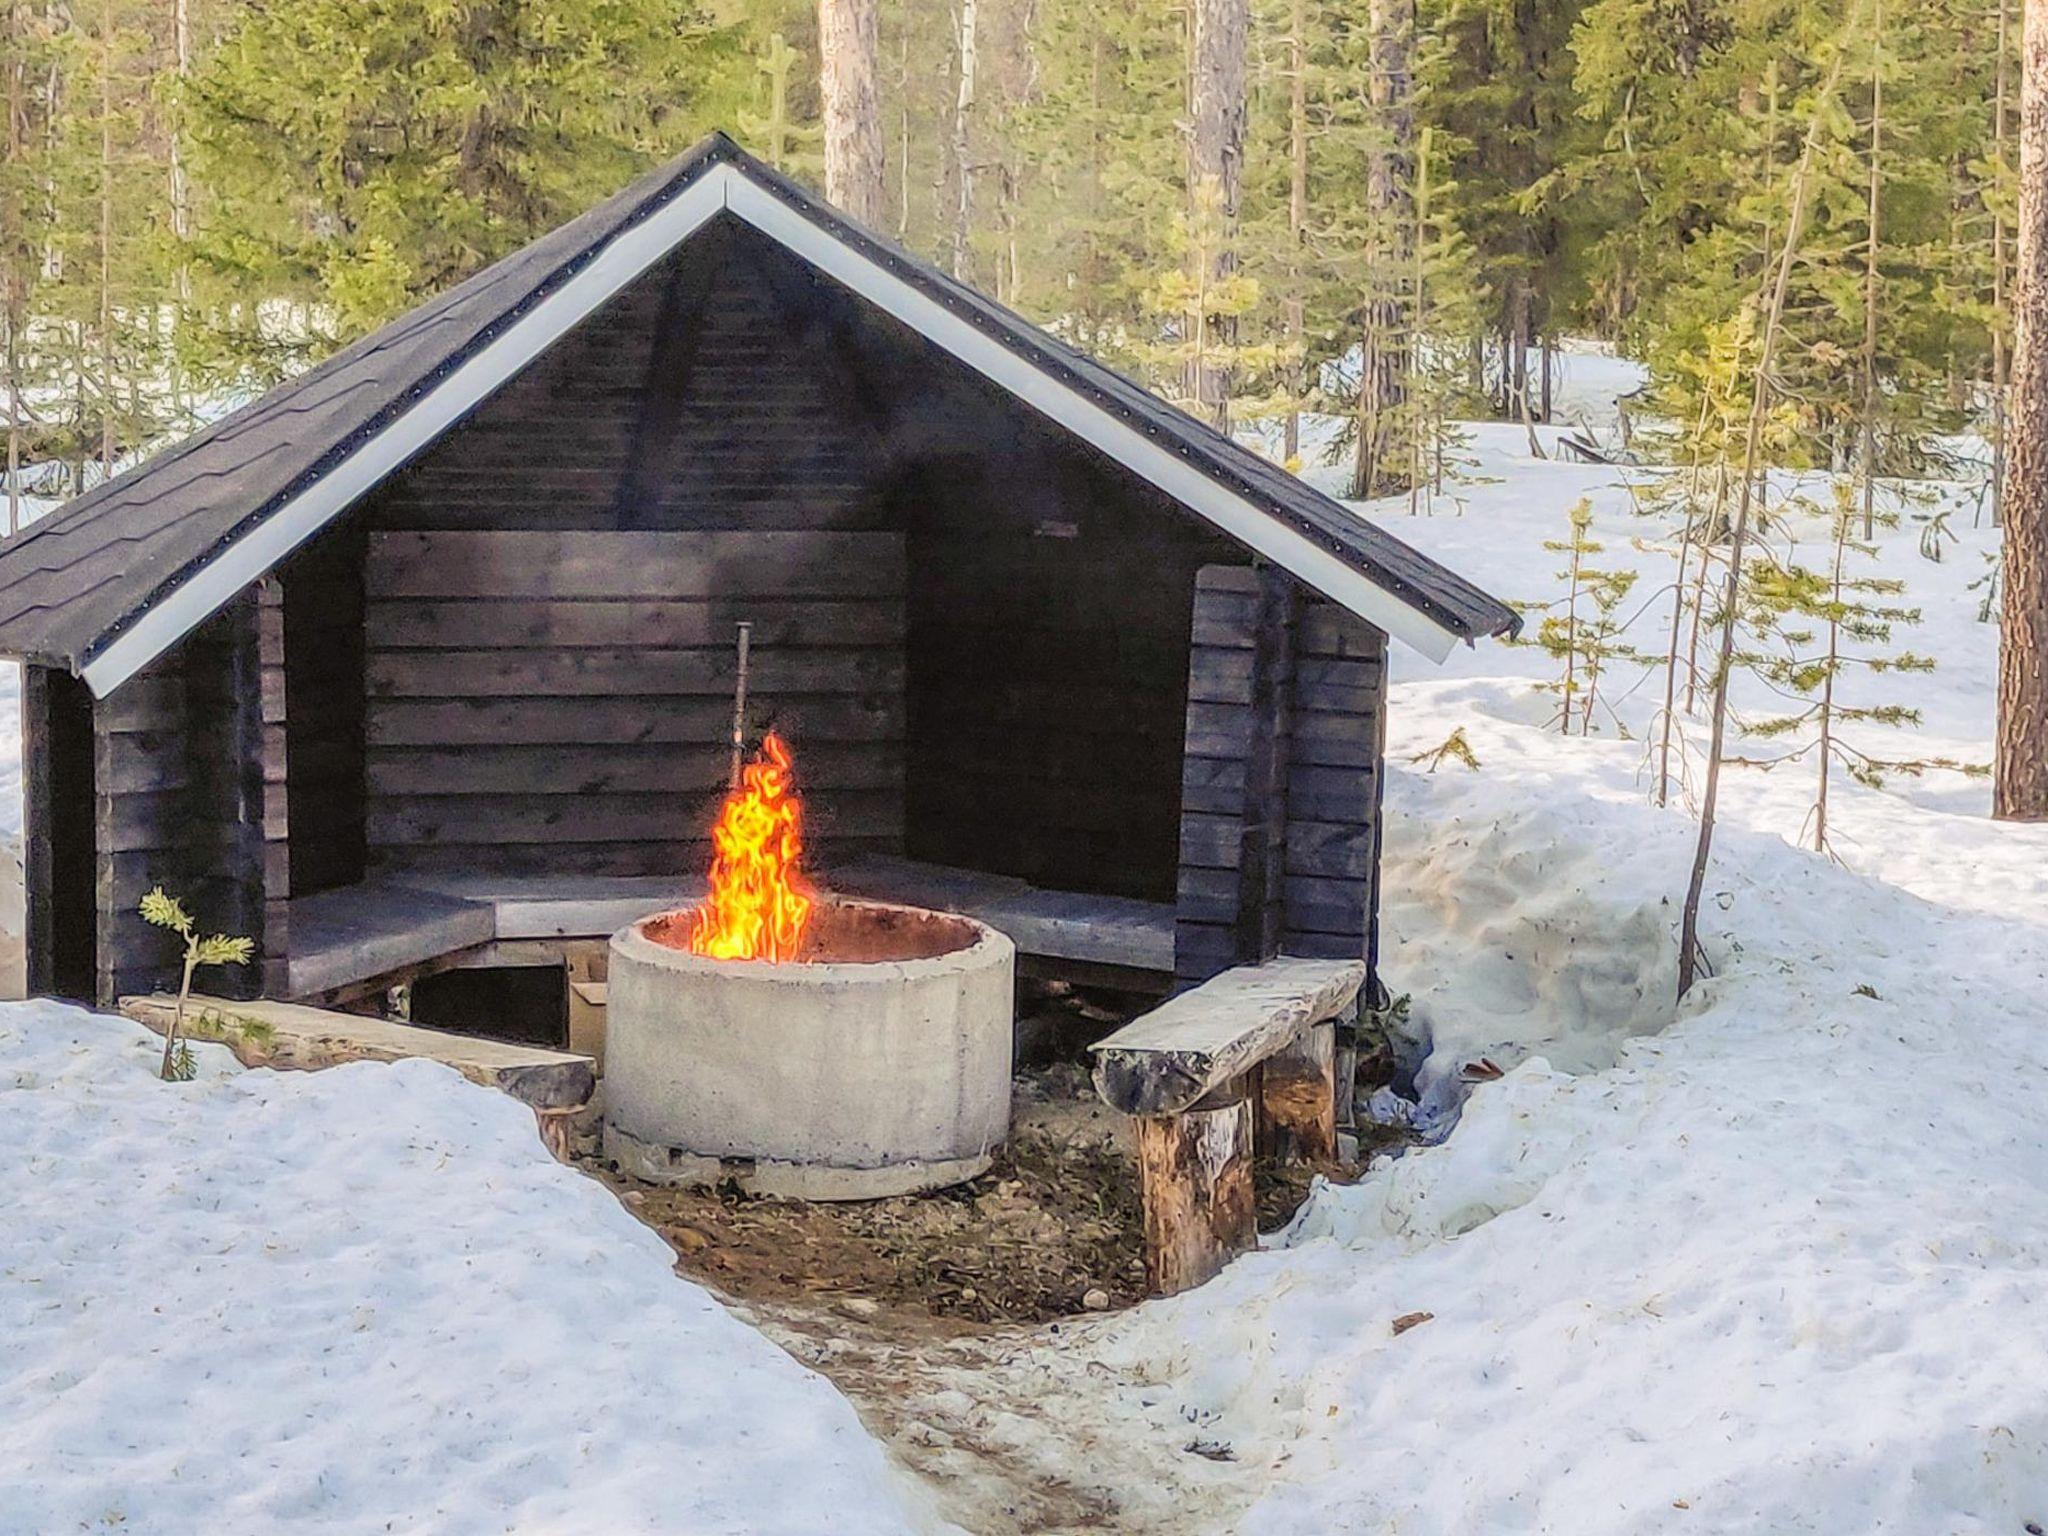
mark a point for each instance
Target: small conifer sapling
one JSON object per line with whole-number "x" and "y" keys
{"x": 164, "y": 911}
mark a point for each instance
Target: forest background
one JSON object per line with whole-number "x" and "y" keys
{"x": 1387, "y": 210}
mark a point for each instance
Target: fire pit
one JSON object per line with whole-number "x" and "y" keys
{"x": 868, "y": 1055}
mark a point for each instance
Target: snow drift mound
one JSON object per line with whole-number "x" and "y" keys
{"x": 365, "y": 1300}
{"x": 1531, "y": 930}
{"x": 1775, "y": 1269}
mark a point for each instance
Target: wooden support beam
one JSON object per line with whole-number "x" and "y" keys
{"x": 1297, "y": 1098}
{"x": 1262, "y": 832}
{"x": 1195, "y": 1170}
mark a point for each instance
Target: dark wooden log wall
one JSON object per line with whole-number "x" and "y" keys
{"x": 552, "y": 594}
{"x": 59, "y": 818}
{"x": 179, "y": 775}
{"x": 322, "y": 734}
{"x": 1050, "y": 601}
{"x": 1282, "y": 779}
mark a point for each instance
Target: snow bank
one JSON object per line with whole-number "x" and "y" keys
{"x": 365, "y": 1300}
{"x": 1777, "y": 1268}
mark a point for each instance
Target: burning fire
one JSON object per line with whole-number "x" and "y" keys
{"x": 757, "y": 906}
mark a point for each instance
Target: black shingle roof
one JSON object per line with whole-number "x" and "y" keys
{"x": 74, "y": 581}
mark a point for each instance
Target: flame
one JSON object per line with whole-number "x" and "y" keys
{"x": 757, "y": 905}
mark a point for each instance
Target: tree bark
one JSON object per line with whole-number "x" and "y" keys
{"x": 1215, "y": 178}
{"x": 964, "y": 24}
{"x": 1195, "y": 1176}
{"x": 1297, "y": 219}
{"x": 15, "y": 255}
{"x": 1383, "y": 365}
{"x": 849, "y": 44}
{"x": 2020, "y": 767}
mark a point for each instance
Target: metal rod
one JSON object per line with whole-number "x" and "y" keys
{"x": 739, "y": 705}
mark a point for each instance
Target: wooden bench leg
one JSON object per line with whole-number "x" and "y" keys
{"x": 1195, "y": 1170}
{"x": 1298, "y": 1098}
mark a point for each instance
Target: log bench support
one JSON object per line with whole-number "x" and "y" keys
{"x": 1243, "y": 1064}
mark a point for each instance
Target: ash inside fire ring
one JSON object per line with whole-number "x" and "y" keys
{"x": 848, "y": 933}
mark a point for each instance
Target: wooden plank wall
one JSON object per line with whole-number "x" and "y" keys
{"x": 1286, "y": 861}
{"x": 544, "y": 701}
{"x": 1049, "y": 615}
{"x": 59, "y": 818}
{"x": 552, "y": 593}
{"x": 179, "y": 780}
{"x": 321, "y": 619}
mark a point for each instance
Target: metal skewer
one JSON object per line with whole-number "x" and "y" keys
{"x": 739, "y": 705}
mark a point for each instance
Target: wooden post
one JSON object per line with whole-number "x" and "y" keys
{"x": 1196, "y": 1173}
{"x": 558, "y": 1130}
{"x": 1298, "y": 1100}
{"x": 1262, "y": 835}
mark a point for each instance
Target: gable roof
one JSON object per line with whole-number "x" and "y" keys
{"x": 108, "y": 583}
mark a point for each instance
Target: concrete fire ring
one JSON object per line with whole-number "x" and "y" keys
{"x": 812, "y": 1080}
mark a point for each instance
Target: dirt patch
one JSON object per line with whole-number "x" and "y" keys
{"x": 1053, "y": 1229}
{"x": 1054, "y": 1219}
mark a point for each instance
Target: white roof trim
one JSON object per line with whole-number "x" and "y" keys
{"x": 628, "y": 255}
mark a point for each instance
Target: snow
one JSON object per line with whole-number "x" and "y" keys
{"x": 1775, "y": 1268}
{"x": 366, "y": 1300}
{"x": 1770, "y": 1261}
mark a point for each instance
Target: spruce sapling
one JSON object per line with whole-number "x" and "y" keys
{"x": 163, "y": 911}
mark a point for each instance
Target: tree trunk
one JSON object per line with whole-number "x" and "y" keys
{"x": 1215, "y": 177}
{"x": 1873, "y": 205}
{"x": 106, "y": 251}
{"x": 963, "y": 118}
{"x": 2000, "y": 385}
{"x": 15, "y": 255}
{"x": 2020, "y": 768}
{"x": 1297, "y": 220}
{"x": 1731, "y": 592}
{"x": 1383, "y": 369}
{"x": 848, "y": 48}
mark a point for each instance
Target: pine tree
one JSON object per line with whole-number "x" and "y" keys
{"x": 1826, "y": 626}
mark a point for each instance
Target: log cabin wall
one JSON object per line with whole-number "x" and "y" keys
{"x": 1050, "y": 602}
{"x": 551, "y": 592}
{"x": 1282, "y": 780}
{"x": 180, "y": 793}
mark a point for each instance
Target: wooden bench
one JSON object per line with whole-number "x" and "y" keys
{"x": 1243, "y": 1063}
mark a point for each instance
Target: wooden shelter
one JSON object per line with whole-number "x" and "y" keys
{"x": 432, "y": 648}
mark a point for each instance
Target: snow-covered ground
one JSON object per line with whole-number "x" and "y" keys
{"x": 366, "y": 1300}
{"x": 1769, "y": 1262}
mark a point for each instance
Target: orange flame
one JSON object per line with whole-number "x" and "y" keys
{"x": 757, "y": 905}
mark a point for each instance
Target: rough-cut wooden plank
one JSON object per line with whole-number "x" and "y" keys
{"x": 1264, "y": 818}
{"x": 355, "y": 932}
{"x": 293, "y": 1037}
{"x": 611, "y": 818}
{"x": 634, "y": 565}
{"x": 459, "y": 623}
{"x": 1297, "y": 1106}
{"x": 646, "y": 672}
{"x": 678, "y": 769}
{"x": 1195, "y": 1174}
{"x": 1162, "y": 1063}
{"x": 564, "y": 905}
{"x": 460, "y": 722}
{"x": 39, "y": 827}
{"x": 1100, "y": 930}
